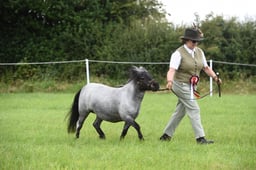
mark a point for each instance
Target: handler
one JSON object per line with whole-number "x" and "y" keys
{"x": 185, "y": 66}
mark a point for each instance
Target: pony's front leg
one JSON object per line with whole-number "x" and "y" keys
{"x": 135, "y": 125}
{"x": 125, "y": 129}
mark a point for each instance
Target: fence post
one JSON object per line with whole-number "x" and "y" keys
{"x": 211, "y": 79}
{"x": 87, "y": 71}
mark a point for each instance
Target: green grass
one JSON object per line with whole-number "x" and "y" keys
{"x": 33, "y": 135}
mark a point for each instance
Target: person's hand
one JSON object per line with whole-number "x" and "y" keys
{"x": 169, "y": 85}
{"x": 217, "y": 80}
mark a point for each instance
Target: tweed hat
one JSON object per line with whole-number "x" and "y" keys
{"x": 192, "y": 34}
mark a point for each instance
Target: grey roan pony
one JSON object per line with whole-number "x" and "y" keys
{"x": 112, "y": 104}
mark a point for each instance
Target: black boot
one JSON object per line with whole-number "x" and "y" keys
{"x": 202, "y": 140}
{"x": 165, "y": 137}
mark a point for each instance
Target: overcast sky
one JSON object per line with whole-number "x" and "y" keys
{"x": 182, "y": 11}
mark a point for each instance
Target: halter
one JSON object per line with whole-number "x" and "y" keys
{"x": 152, "y": 83}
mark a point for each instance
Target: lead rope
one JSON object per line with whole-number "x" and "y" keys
{"x": 198, "y": 97}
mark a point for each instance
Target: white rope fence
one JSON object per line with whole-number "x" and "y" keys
{"x": 42, "y": 63}
{"x": 87, "y": 61}
{"x": 129, "y": 62}
{"x": 114, "y": 62}
{"x": 238, "y": 64}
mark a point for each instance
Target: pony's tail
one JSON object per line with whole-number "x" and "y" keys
{"x": 73, "y": 114}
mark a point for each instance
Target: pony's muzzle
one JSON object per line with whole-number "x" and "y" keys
{"x": 154, "y": 86}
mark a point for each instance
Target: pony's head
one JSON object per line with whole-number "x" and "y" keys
{"x": 143, "y": 79}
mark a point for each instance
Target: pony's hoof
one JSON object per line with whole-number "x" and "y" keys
{"x": 102, "y": 137}
{"x": 142, "y": 139}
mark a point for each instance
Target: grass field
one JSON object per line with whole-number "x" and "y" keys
{"x": 33, "y": 135}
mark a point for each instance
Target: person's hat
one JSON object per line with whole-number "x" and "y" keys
{"x": 192, "y": 34}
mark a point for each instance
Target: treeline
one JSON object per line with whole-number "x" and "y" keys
{"x": 128, "y": 30}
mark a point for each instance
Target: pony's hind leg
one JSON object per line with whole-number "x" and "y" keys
{"x": 79, "y": 123}
{"x": 96, "y": 125}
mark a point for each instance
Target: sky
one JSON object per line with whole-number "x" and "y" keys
{"x": 182, "y": 11}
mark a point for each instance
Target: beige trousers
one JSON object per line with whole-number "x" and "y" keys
{"x": 185, "y": 105}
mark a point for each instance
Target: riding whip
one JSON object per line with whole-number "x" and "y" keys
{"x": 218, "y": 82}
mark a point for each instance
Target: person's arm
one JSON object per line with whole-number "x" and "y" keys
{"x": 174, "y": 65}
{"x": 169, "y": 77}
{"x": 211, "y": 73}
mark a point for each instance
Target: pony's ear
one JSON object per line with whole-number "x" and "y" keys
{"x": 134, "y": 68}
{"x": 133, "y": 72}
{"x": 142, "y": 69}
{"x": 138, "y": 68}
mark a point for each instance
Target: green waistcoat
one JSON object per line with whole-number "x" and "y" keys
{"x": 189, "y": 66}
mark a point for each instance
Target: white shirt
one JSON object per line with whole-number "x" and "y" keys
{"x": 176, "y": 58}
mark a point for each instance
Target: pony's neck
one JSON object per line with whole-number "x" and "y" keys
{"x": 134, "y": 90}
